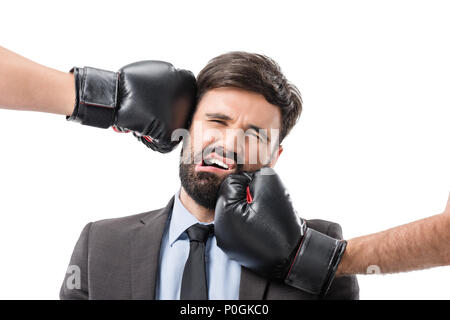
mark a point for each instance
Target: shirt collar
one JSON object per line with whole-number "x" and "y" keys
{"x": 181, "y": 220}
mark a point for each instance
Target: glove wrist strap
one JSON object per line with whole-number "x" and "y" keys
{"x": 315, "y": 263}
{"x": 96, "y": 97}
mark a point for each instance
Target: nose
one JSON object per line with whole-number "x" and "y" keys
{"x": 234, "y": 142}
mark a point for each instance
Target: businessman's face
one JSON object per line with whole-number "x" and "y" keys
{"x": 233, "y": 130}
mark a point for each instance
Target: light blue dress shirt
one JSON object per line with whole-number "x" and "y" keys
{"x": 223, "y": 275}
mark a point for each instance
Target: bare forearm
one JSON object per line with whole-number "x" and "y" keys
{"x": 26, "y": 85}
{"x": 418, "y": 245}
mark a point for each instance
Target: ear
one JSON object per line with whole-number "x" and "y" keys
{"x": 276, "y": 155}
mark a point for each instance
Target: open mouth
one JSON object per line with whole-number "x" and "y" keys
{"x": 215, "y": 164}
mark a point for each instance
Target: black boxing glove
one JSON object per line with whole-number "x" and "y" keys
{"x": 256, "y": 225}
{"x": 148, "y": 98}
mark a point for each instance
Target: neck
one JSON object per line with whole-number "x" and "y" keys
{"x": 201, "y": 213}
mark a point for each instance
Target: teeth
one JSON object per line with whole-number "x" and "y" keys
{"x": 218, "y": 162}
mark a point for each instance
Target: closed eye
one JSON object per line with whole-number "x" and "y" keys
{"x": 252, "y": 133}
{"x": 218, "y": 121}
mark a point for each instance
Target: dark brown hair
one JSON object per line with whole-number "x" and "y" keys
{"x": 257, "y": 73}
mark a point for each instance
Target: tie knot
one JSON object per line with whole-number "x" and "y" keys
{"x": 200, "y": 232}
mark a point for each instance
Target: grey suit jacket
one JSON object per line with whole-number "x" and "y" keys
{"x": 118, "y": 259}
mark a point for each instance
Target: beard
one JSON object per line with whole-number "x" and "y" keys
{"x": 202, "y": 187}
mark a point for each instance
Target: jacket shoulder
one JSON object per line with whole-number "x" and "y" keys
{"x": 123, "y": 224}
{"x": 329, "y": 228}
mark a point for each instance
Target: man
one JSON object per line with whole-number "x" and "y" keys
{"x": 147, "y": 256}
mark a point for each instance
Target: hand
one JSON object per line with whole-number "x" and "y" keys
{"x": 148, "y": 98}
{"x": 256, "y": 224}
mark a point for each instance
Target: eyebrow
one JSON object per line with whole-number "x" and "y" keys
{"x": 218, "y": 116}
{"x": 222, "y": 116}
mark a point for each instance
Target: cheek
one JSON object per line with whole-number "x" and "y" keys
{"x": 257, "y": 154}
{"x": 201, "y": 136}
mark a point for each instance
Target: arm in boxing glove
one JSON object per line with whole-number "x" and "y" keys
{"x": 149, "y": 98}
{"x": 256, "y": 225}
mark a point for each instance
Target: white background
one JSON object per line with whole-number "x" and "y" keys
{"x": 371, "y": 150}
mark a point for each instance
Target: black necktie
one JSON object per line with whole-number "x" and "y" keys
{"x": 193, "y": 285}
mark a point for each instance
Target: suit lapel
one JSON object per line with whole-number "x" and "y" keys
{"x": 252, "y": 286}
{"x": 145, "y": 251}
{"x": 145, "y": 248}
